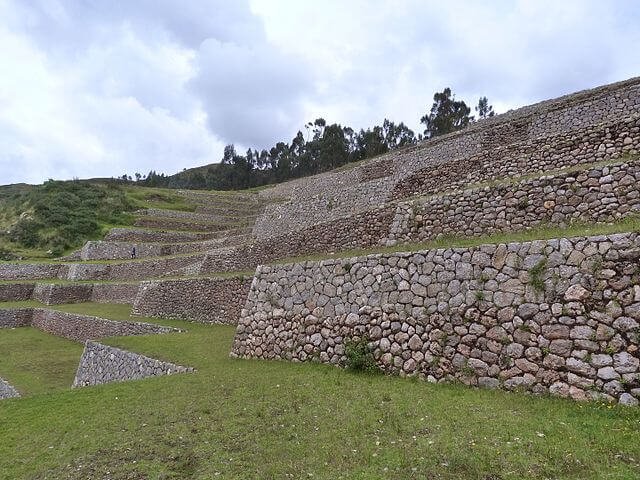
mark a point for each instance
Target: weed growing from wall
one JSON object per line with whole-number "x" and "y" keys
{"x": 359, "y": 356}
{"x": 536, "y": 275}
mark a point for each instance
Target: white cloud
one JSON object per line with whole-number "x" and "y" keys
{"x": 252, "y": 95}
{"x": 103, "y": 87}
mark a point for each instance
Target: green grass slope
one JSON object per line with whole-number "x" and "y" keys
{"x": 247, "y": 419}
{"x": 48, "y": 220}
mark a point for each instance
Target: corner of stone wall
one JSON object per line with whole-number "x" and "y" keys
{"x": 7, "y": 390}
{"x": 102, "y": 364}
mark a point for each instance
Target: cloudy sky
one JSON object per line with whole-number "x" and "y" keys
{"x": 103, "y": 87}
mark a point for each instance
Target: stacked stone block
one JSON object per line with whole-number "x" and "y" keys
{"x": 15, "y": 317}
{"x": 84, "y": 327}
{"x": 75, "y": 326}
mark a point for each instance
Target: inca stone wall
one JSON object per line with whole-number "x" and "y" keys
{"x": 16, "y": 292}
{"x": 597, "y": 194}
{"x": 74, "y": 326}
{"x": 549, "y": 133}
{"x": 114, "y": 292}
{"x": 183, "y": 215}
{"x": 180, "y": 224}
{"x": 36, "y": 271}
{"x": 595, "y": 143}
{"x": 141, "y": 235}
{"x": 362, "y": 230}
{"x": 85, "y": 327}
{"x": 15, "y": 317}
{"x": 53, "y": 293}
{"x": 58, "y": 293}
{"x": 103, "y": 250}
{"x": 557, "y": 316}
{"x": 101, "y": 364}
{"x": 206, "y": 300}
{"x": 7, "y": 391}
{"x": 136, "y": 270}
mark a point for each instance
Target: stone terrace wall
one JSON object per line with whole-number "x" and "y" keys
{"x": 604, "y": 110}
{"x": 595, "y": 143}
{"x": 58, "y": 293}
{"x": 184, "y": 215}
{"x": 54, "y": 294}
{"x": 597, "y": 194}
{"x": 362, "y": 230}
{"x": 15, "y": 291}
{"x": 132, "y": 270}
{"x": 31, "y": 271}
{"x": 101, "y": 364}
{"x": 161, "y": 236}
{"x": 7, "y": 391}
{"x": 557, "y": 316}
{"x": 344, "y": 195}
{"x": 206, "y": 300}
{"x": 103, "y": 250}
{"x": 186, "y": 225}
{"x": 84, "y": 327}
{"x": 114, "y": 292}
{"x": 15, "y": 317}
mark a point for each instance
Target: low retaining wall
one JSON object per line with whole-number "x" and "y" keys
{"x": 103, "y": 250}
{"x": 597, "y": 194}
{"x": 15, "y": 292}
{"x": 54, "y": 293}
{"x": 132, "y": 270}
{"x": 85, "y": 327}
{"x": 32, "y": 271}
{"x": 7, "y": 391}
{"x": 206, "y": 300}
{"x": 557, "y": 316}
{"x": 144, "y": 235}
{"x": 169, "y": 223}
{"x": 101, "y": 364}
{"x": 595, "y": 143}
{"x": 75, "y": 326}
{"x": 59, "y": 293}
{"x": 114, "y": 292}
{"x": 15, "y": 317}
{"x": 363, "y": 230}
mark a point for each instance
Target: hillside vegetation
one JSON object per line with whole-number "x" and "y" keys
{"x": 51, "y": 219}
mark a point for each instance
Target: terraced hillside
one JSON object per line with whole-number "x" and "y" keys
{"x": 503, "y": 256}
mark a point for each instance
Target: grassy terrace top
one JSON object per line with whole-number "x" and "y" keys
{"x": 246, "y": 419}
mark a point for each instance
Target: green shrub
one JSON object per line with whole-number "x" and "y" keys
{"x": 25, "y": 232}
{"x": 359, "y": 356}
{"x": 63, "y": 215}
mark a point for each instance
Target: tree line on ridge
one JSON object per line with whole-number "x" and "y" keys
{"x": 325, "y": 147}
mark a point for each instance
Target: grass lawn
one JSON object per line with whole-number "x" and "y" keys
{"x": 246, "y": 419}
{"x": 35, "y": 362}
